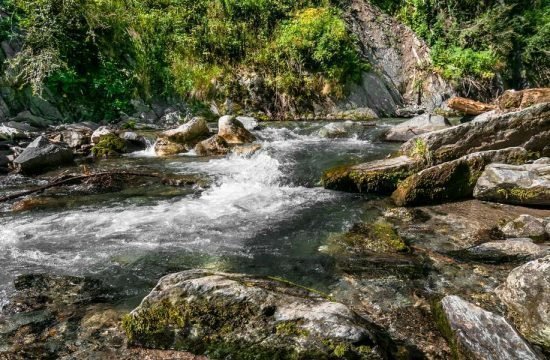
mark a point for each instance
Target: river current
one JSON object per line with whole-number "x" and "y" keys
{"x": 263, "y": 214}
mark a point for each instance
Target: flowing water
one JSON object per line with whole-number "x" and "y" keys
{"x": 263, "y": 214}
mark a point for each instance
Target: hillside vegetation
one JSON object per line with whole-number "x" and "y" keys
{"x": 95, "y": 56}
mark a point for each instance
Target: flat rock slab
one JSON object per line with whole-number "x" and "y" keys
{"x": 489, "y": 133}
{"x": 523, "y": 185}
{"x": 506, "y": 250}
{"x": 452, "y": 180}
{"x": 481, "y": 335}
{"x": 380, "y": 177}
{"x": 526, "y": 294}
{"x": 416, "y": 126}
{"x": 42, "y": 155}
{"x": 220, "y": 314}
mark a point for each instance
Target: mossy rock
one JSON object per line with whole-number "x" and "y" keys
{"x": 377, "y": 177}
{"x": 108, "y": 146}
{"x": 222, "y": 315}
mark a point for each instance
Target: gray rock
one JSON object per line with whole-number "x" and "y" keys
{"x": 42, "y": 155}
{"x": 524, "y": 184}
{"x": 453, "y": 180}
{"x": 506, "y": 130}
{"x": 526, "y": 294}
{"x": 334, "y": 130}
{"x": 526, "y": 226}
{"x": 215, "y": 145}
{"x": 416, "y": 126}
{"x": 134, "y": 141}
{"x": 16, "y": 131}
{"x": 381, "y": 176}
{"x": 240, "y": 315}
{"x": 43, "y": 108}
{"x": 233, "y": 131}
{"x": 172, "y": 118}
{"x": 35, "y": 121}
{"x": 183, "y": 138}
{"x": 480, "y": 334}
{"x": 249, "y": 122}
{"x": 506, "y": 250}
{"x": 395, "y": 52}
{"x": 410, "y": 111}
{"x": 76, "y": 139}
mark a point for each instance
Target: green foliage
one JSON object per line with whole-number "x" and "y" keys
{"x": 474, "y": 41}
{"x": 98, "y": 55}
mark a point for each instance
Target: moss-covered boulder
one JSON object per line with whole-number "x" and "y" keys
{"x": 221, "y": 314}
{"x": 108, "y": 146}
{"x": 379, "y": 177}
{"x": 452, "y": 180}
{"x": 477, "y": 334}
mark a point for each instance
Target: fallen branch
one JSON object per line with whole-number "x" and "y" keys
{"x": 469, "y": 107}
{"x": 75, "y": 179}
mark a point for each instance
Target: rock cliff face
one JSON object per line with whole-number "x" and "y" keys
{"x": 399, "y": 59}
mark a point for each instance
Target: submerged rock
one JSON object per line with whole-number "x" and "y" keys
{"x": 506, "y": 250}
{"x": 231, "y": 314}
{"x": 526, "y": 294}
{"x": 379, "y": 177}
{"x": 523, "y": 184}
{"x": 526, "y": 226}
{"x": 233, "y": 131}
{"x": 506, "y": 130}
{"x": 215, "y": 145}
{"x": 42, "y": 155}
{"x": 480, "y": 335}
{"x": 416, "y": 126}
{"x": 452, "y": 180}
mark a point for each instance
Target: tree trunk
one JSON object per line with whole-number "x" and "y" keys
{"x": 469, "y": 107}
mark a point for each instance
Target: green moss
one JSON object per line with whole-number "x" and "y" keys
{"x": 445, "y": 328}
{"x": 386, "y": 235}
{"x": 519, "y": 195}
{"x": 420, "y": 150}
{"x": 287, "y": 328}
{"x": 109, "y": 145}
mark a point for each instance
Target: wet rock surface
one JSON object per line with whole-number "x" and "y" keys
{"x": 183, "y": 138}
{"x": 479, "y": 334}
{"x": 526, "y": 226}
{"x": 233, "y": 131}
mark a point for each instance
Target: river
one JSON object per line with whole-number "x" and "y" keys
{"x": 263, "y": 214}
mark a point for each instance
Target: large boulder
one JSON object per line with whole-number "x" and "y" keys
{"x": 498, "y": 132}
{"x": 526, "y": 226}
{"x": 476, "y": 334}
{"x": 42, "y": 155}
{"x": 522, "y": 184}
{"x": 416, "y": 126}
{"x": 233, "y": 131}
{"x": 245, "y": 317}
{"x": 380, "y": 176}
{"x": 28, "y": 118}
{"x": 526, "y": 294}
{"x": 452, "y": 180}
{"x": 215, "y": 145}
{"x": 183, "y": 138}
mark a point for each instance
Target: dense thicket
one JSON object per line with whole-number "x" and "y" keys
{"x": 482, "y": 45}
{"x": 96, "y": 56}
{"x": 100, "y": 54}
